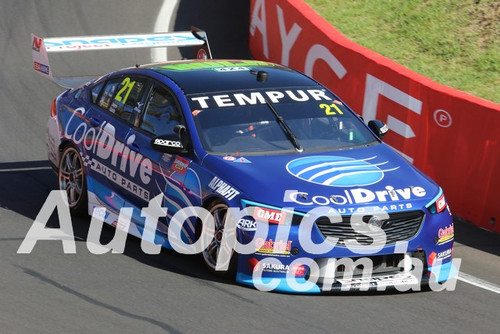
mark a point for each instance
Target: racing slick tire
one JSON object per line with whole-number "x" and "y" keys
{"x": 71, "y": 178}
{"x": 210, "y": 255}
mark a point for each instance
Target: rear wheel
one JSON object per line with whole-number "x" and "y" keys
{"x": 72, "y": 180}
{"x": 210, "y": 254}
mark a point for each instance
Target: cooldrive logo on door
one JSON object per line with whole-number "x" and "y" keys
{"x": 116, "y": 157}
{"x": 338, "y": 171}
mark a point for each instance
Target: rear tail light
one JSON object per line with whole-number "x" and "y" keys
{"x": 53, "y": 108}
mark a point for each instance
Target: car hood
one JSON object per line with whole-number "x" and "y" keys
{"x": 373, "y": 176}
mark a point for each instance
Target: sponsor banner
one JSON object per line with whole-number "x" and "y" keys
{"x": 211, "y": 101}
{"x": 429, "y": 123}
{"x": 61, "y": 44}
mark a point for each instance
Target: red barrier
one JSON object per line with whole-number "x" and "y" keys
{"x": 450, "y": 135}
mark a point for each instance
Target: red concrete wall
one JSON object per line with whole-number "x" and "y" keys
{"x": 452, "y": 136}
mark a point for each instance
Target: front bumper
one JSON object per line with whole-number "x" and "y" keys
{"x": 423, "y": 259}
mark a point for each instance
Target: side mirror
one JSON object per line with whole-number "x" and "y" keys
{"x": 168, "y": 144}
{"x": 378, "y": 127}
{"x": 181, "y": 131}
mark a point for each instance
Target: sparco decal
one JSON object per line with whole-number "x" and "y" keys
{"x": 101, "y": 142}
{"x": 167, "y": 143}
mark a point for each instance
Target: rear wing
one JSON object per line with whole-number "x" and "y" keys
{"x": 42, "y": 47}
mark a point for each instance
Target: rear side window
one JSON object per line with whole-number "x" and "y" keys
{"x": 95, "y": 91}
{"x": 123, "y": 97}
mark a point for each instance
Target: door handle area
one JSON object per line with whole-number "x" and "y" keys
{"x": 133, "y": 146}
{"x": 94, "y": 122}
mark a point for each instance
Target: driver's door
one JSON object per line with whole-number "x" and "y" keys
{"x": 161, "y": 116}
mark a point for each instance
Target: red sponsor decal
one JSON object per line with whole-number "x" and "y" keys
{"x": 298, "y": 270}
{"x": 37, "y": 44}
{"x": 441, "y": 204}
{"x": 273, "y": 247}
{"x": 180, "y": 165}
{"x": 446, "y": 232}
{"x": 270, "y": 215}
{"x": 252, "y": 263}
{"x": 433, "y": 257}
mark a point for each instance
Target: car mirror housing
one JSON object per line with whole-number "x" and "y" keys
{"x": 171, "y": 144}
{"x": 378, "y": 127}
{"x": 181, "y": 131}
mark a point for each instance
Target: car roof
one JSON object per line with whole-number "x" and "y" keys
{"x": 207, "y": 76}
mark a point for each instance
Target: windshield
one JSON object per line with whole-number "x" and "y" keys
{"x": 245, "y": 122}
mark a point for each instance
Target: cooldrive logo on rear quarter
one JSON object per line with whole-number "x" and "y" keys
{"x": 338, "y": 171}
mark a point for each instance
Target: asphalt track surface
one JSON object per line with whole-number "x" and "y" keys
{"x": 51, "y": 292}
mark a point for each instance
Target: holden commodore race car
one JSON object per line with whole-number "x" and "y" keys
{"x": 270, "y": 174}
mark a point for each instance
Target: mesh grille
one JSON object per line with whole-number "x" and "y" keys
{"x": 399, "y": 227}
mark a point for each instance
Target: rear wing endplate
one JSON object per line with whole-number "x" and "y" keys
{"x": 41, "y": 47}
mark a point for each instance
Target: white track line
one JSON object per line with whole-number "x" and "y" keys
{"x": 478, "y": 282}
{"x": 23, "y": 169}
{"x": 162, "y": 24}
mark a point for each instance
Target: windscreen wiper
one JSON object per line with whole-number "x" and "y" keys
{"x": 288, "y": 132}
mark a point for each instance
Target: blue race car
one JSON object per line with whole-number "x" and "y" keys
{"x": 302, "y": 195}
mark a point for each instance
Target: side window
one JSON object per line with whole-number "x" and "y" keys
{"x": 108, "y": 94}
{"x": 162, "y": 114}
{"x": 122, "y": 97}
{"x": 95, "y": 91}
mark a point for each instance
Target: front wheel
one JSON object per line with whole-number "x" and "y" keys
{"x": 72, "y": 180}
{"x": 211, "y": 253}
